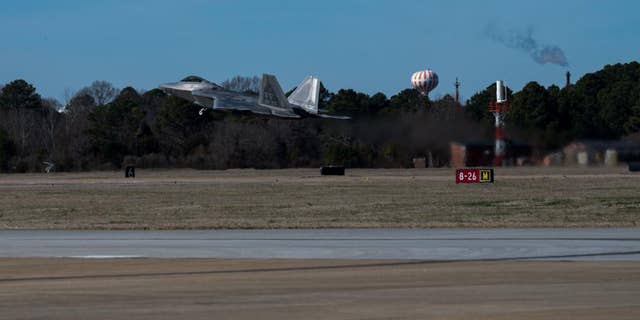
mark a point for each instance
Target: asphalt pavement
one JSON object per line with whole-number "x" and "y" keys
{"x": 615, "y": 244}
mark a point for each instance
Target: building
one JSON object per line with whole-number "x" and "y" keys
{"x": 600, "y": 152}
{"x": 481, "y": 153}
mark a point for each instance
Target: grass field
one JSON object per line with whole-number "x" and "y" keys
{"x": 301, "y": 198}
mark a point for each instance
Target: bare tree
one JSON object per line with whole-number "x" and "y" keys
{"x": 51, "y": 120}
{"x": 102, "y": 92}
{"x": 76, "y": 123}
{"x": 69, "y": 94}
{"x": 22, "y": 122}
{"x": 242, "y": 84}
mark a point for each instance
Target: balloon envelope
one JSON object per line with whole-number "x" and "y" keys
{"x": 424, "y": 81}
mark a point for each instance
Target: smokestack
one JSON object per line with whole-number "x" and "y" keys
{"x": 457, "y": 84}
{"x": 568, "y": 84}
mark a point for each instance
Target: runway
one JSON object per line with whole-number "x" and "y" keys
{"x": 395, "y": 244}
{"x": 321, "y": 274}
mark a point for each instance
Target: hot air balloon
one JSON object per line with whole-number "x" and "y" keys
{"x": 424, "y": 81}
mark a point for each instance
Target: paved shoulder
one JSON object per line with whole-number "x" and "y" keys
{"x": 422, "y": 244}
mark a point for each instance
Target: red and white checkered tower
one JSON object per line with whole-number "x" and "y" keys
{"x": 499, "y": 109}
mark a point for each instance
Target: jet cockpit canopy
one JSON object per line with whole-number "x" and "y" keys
{"x": 194, "y": 79}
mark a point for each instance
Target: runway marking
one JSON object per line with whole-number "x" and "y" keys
{"x": 312, "y": 268}
{"x": 340, "y": 239}
{"x": 99, "y": 256}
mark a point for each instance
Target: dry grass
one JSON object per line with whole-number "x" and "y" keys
{"x": 301, "y": 198}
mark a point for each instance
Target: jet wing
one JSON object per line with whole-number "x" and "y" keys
{"x": 224, "y": 101}
{"x": 207, "y": 101}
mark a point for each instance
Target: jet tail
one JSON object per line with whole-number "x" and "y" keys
{"x": 307, "y": 95}
{"x": 271, "y": 93}
{"x": 303, "y": 102}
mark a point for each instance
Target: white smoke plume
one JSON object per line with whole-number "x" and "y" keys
{"x": 524, "y": 41}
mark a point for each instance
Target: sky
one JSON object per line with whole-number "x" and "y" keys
{"x": 367, "y": 45}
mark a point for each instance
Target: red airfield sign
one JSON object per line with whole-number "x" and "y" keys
{"x": 474, "y": 175}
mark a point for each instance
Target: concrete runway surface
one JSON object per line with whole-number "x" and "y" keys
{"x": 430, "y": 244}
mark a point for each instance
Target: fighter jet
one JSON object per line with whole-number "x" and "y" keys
{"x": 270, "y": 101}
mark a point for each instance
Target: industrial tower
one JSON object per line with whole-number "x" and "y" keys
{"x": 457, "y": 84}
{"x": 499, "y": 109}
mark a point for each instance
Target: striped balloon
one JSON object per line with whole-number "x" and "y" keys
{"x": 424, "y": 81}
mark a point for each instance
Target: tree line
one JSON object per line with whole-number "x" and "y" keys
{"x": 101, "y": 127}
{"x": 601, "y": 105}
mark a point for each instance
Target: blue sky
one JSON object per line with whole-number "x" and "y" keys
{"x": 369, "y": 46}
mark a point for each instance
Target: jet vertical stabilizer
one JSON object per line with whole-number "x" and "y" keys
{"x": 307, "y": 95}
{"x": 271, "y": 93}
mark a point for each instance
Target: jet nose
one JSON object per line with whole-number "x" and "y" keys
{"x": 178, "y": 89}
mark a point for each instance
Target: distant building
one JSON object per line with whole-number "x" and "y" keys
{"x": 420, "y": 163}
{"x": 481, "y": 153}
{"x": 601, "y": 152}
